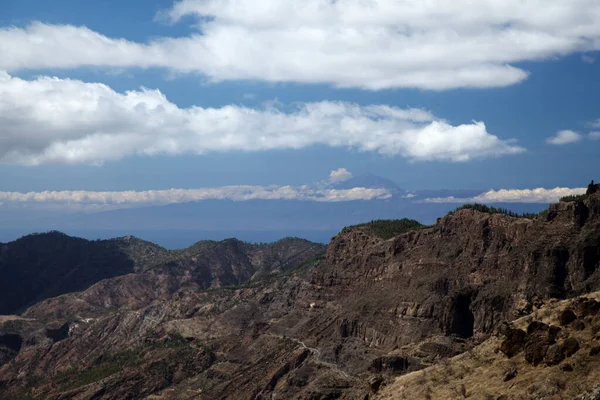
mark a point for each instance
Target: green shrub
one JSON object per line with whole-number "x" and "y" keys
{"x": 125, "y": 358}
{"x": 73, "y": 378}
{"x": 496, "y": 210}
{"x": 573, "y": 198}
{"x": 306, "y": 265}
{"x": 110, "y": 365}
{"x": 387, "y": 228}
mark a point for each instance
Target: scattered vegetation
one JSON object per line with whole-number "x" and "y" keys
{"x": 126, "y": 358}
{"x": 573, "y": 198}
{"x": 73, "y": 378}
{"x": 109, "y": 365}
{"x": 496, "y": 210}
{"x": 387, "y": 229}
{"x": 173, "y": 349}
{"x": 305, "y": 266}
{"x": 591, "y": 189}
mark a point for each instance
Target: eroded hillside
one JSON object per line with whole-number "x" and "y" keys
{"x": 343, "y": 326}
{"x": 41, "y": 266}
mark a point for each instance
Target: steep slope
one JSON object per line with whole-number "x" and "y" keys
{"x": 207, "y": 264}
{"x": 42, "y": 266}
{"x": 339, "y": 327}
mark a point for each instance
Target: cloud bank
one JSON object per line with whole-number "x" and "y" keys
{"x": 51, "y": 120}
{"x": 539, "y": 195}
{"x": 158, "y": 197}
{"x": 370, "y": 44}
{"x": 93, "y": 200}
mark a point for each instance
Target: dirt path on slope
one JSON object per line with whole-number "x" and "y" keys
{"x": 316, "y": 353}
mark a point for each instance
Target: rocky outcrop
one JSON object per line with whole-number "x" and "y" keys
{"x": 58, "y": 334}
{"x": 550, "y": 344}
{"x": 472, "y": 270}
{"x": 529, "y": 358}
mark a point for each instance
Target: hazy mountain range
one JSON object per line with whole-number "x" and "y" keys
{"x": 181, "y": 224}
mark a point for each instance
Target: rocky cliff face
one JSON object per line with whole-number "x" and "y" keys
{"x": 472, "y": 270}
{"x": 337, "y": 327}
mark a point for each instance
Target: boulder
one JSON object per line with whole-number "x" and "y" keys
{"x": 513, "y": 342}
{"x": 566, "y": 317}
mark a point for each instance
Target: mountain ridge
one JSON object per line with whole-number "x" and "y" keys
{"x": 343, "y": 326}
{"x": 54, "y": 263}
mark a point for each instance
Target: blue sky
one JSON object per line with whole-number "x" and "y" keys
{"x": 520, "y": 87}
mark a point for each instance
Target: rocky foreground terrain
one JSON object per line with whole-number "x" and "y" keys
{"x": 480, "y": 305}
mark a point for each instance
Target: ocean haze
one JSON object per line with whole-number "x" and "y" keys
{"x": 180, "y": 225}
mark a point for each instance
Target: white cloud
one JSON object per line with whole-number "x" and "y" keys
{"x": 594, "y": 135}
{"x": 339, "y": 175}
{"x": 157, "y": 197}
{"x": 588, "y": 59}
{"x": 51, "y": 120}
{"x": 539, "y": 195}
{"x": 596, "y": 124}
{"x": 564, "y": 137}
{"x": 372, "y": 44}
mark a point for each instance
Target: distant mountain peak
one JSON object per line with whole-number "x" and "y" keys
{"x": 370, "y": 181}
